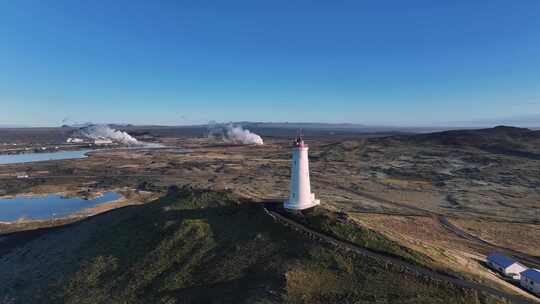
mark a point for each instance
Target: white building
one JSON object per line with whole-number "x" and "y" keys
{"x": 75, "y": 140}
{"x": 530, "y": 280}
{"x": 300, "y": 196}
{"x": 21, "y": 175}
{"x": 505, "y": 265}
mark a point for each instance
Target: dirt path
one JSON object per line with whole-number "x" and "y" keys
{"x": 84, "y": 176}
{"x": 414, "y": 268}
{"x": 445, "y": 223}
{"x": 534, "y": 261}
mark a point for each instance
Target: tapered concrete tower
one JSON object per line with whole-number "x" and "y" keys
{"x": 300, "y": 196}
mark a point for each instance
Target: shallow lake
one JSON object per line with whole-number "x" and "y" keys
{"x": 35, "y": 157}
{"x": 48, "y": 207}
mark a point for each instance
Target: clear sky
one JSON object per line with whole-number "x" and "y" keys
{"x": 181, "y": 62}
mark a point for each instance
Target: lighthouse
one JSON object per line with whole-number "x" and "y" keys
{"x": 300, "y": 196}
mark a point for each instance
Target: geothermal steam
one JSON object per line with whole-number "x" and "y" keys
{"x": 240, "y": 135}
{"x": 104, "y": 131}
{"x": 233, "y": 134}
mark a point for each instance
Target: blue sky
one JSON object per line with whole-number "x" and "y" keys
{"x": 181, "y": 62}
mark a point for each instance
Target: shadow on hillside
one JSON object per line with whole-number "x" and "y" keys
{"x": 210, "y": 242}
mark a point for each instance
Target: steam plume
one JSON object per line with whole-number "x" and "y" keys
{"x": 233, "y": 134}
{"x": 104, "y": 131}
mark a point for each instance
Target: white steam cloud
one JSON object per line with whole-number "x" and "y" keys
{"x": 233, "y": 134}
{"x": 240, "y": 135}
{"x": 106, "y": 132}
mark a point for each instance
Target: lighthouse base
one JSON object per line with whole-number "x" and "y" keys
{"x": 295, "y": 205}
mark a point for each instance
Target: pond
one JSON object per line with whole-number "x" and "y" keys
{"x": 35, "y": 157}
{"x": 48, "y": 207}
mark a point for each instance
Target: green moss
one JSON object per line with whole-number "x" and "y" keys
{"x": 329, "y": 222}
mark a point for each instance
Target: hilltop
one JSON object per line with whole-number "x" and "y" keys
{"x": 500, "y": 135}
{"x": 512, "y": 141}
{"x": 195, "y": 246}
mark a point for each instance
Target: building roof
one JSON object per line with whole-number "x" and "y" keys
{"x": 532, "y": 274}
{"x": 500, "y": 260}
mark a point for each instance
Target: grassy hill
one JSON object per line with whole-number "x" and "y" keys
{"x": 201, "y": 247}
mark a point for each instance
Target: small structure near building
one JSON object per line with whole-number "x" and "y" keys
{"x": 506, "y": 265}
{"x": 22, "y": 175}
{"x": 300, "y": 196}
{"x": 74, "y": 140}
{"x": 530, "y": 280}
{"x": 103, "y": 141}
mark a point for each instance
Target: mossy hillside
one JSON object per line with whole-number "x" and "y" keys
{"x": 205, "y": 247}
{"x": 339, "y": 226}
{"x": 180, "y": 244}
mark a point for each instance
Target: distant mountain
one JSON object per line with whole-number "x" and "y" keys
{"x": 302, "y": 125}
{"x": 3, "y": 126}
{"x": 477, "y": 137}
{"x": 531, "y": 121}
{"x": 346, "y": 127}
{"x": 506, "y": 140}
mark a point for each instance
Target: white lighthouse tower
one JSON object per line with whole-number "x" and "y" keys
{"x": 300, "y": 196}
